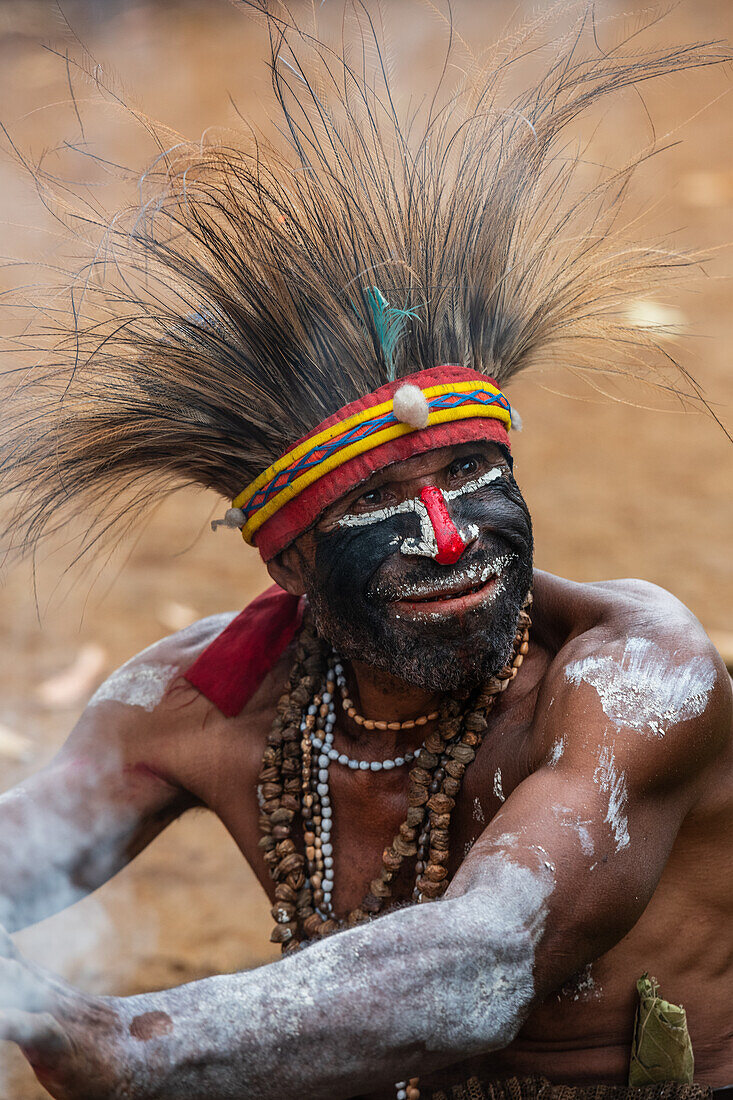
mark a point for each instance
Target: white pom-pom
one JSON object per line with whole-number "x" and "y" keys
{"x": 516, "y": 420}
{"x": 410, "y": 406}
{"x": 233, "y": 517}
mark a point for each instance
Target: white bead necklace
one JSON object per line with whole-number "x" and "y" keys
{"x": 337, "y": 670}
{"x": 328, "y": 755}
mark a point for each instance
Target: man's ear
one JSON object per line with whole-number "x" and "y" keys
{"x": 286, "y": 570}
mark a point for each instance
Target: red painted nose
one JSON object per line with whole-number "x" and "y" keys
{"x": 447, "y": 536}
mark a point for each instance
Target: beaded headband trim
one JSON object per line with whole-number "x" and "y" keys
{"x": 327, "y": 449}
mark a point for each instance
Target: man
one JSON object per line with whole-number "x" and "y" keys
{"x": 507, "y": 794}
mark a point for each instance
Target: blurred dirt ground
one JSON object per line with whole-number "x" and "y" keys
{"x": 614, "y": 490}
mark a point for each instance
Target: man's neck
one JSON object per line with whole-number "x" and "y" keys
{"x": 384, "y": 697}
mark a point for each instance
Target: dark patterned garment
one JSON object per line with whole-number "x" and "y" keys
{"x": 539, "y": 1088}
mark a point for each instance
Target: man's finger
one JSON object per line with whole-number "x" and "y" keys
{"x": 38, "y": 1034}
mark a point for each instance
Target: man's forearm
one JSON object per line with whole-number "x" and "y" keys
{"x": 60, "y": 838}
{"x": 411, "y": 992}
{"x": 35, "y": 879}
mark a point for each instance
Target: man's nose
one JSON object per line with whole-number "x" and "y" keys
{"x": 449, "y": 540}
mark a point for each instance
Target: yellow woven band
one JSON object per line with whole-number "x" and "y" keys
{"x": 344, "y": 454}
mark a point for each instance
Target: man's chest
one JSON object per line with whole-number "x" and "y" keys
{"x": 367, "y": 807}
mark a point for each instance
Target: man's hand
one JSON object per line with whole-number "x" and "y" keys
{"x": 70, "y": 1039}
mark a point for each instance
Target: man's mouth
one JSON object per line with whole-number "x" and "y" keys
{"x": 463, "y": 590}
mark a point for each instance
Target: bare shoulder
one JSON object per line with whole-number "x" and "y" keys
{"x": 183, "y": 647}
{"x": 143, "y": 682}
{"x": 145, "y": 706}
{"x": 633, "y": 664}
{"x": 614, "y": 606}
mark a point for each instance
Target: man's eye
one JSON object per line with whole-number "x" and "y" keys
{"x": 372, "y": 498}
{"x": 464, "y": 467}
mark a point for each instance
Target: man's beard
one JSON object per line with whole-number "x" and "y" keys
{"x": 429, "y": 656}
{"x": 354, "y": 583}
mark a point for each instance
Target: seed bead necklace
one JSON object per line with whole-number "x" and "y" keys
{"x": 294, "y": 779}
{"x": 372, "y": 723}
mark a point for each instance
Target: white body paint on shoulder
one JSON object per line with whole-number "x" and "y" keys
{"x": 498, "y": 789}
{"x": 136, "y": 685}
{"x": 144, "y": 685}
{"x": 613, "y": 783}
{"x": 645, "y": 690}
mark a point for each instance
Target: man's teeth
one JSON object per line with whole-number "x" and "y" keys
{"x": 435, "y": 597}
{"x": 465, "y": 584}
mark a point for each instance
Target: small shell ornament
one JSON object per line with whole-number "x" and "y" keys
{"x": 233, "y": 518}
{"x": 410, "y": 406}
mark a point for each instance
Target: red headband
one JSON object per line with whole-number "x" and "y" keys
{"x": 461, "y": 405}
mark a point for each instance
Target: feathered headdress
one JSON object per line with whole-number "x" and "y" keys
{"x": 260, "y": 286}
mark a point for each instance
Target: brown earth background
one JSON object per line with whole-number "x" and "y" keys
{"x": 615, "y": 490}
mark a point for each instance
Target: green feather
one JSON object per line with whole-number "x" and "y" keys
{"x": 390, "y": 325}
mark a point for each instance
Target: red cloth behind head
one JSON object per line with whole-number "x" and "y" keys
{"x": 299, "y": 514}
{"x": 230, "y": 670}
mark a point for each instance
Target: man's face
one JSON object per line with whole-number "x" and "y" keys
{"x": 422, "y": 570}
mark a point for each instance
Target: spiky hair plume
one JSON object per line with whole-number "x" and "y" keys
{"x": 261, "y": 284}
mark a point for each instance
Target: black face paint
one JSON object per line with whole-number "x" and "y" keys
{"x": 360, "y": 576}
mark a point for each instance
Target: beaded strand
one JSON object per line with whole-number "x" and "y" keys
{"x": 373, "y": 723}
{"x": 432, "y": 789}
{"x": 368, "y": 723}
{"x": 318, "y": 755}
{"x": 296, "y": 763}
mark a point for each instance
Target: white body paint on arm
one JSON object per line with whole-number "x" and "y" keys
{"x": 556, "y": 752}
{"x": 359, "y": 1009}
{"x": 645, "y": 690}
{"x": 613, "y": 783}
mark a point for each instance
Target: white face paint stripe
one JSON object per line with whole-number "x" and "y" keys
{"x": 427, "y": 544}
{"x": 379, "y": 514}
{"x": 416, "y": 505}
{"x": 475, "y": 485}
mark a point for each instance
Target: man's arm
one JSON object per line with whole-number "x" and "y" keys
{"x": 426, "y": 986}
{"x": 76, "y": 822}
